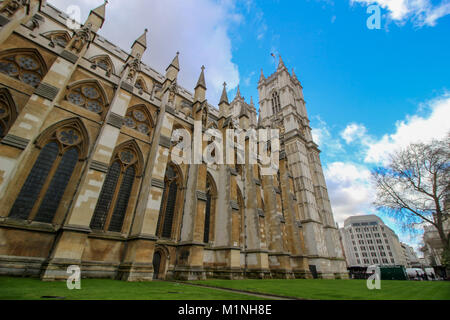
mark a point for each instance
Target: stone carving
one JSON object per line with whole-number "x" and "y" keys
{"x": 35, "y": 22}
{"x": 135, "y": 66}
{"x": 10, "y": 7}
{"x": 81, "y": 37}
{"x": 173, "y": 90}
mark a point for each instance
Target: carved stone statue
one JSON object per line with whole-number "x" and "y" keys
{"x": 81, "y": 38}
{"x": 173, "y": 89}
{"x": 205, "y": 115}
{"x": 135, "y": 66}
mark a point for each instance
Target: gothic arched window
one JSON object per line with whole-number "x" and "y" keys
{"x": 24, "y": 65}
{"x": 140, "y": 84}
{"x": 167, "y": 212}
{"x": 211, "y": 195}
{"x": 8, "y": 112}
{"x": 276, "y": 106}
{"x": 112, "y": 204}
{"x": 139, "y": 119}
{"x": 41, "y": 194}
{"x": 239, "y": 220}
{"x": 89, "y": 96}
{"x": 103, "y": 62}
{"x": 61, "y": 38}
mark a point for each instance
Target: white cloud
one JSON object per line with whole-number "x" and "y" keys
{"x": 322, "y": 136}
{"x": 350, "y": 190}
{"x": 413, "y": 129}
{"x": 421, "y": 12}
{"x": 199, "y": 29}
{"x": 353, "y": 132}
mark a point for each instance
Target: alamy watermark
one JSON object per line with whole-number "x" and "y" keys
{"x": 238, "y": 146}
{"x": 74, "y": 13}
{"x": 374, "y": 21}
{"x": 74, "y": 280}
{"x": 374, "y": 281}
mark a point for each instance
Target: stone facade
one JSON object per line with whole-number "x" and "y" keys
{"x": 86, "y": 176}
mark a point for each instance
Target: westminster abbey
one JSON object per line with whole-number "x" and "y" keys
{"x": 86, "y": 176}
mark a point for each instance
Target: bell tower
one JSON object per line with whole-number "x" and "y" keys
{"x": 282, "y": 106}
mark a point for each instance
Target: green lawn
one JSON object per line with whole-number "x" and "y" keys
{"x": 34, "y": 289}
{"x": 91, "y": 289}
{"x": 340, "y": 289}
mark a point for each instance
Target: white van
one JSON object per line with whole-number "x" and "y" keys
{"x": 415, "y": 274}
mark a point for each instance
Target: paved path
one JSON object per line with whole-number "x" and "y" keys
{"x": 248, "y": 293}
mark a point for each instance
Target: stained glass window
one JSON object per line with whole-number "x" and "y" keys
{"x": 87, "y": 96}
{"x": 41, "y": 194}
{"x": 207, "y": 213}
{"x": 35, "y": 181}
{"x": 114, "y": 198}
{"x": 22, "y": 66}
{"x": 138, "y": 119}
{"x": 122, "y": 200}
{"x": 170, "y": 210}
{"x": 105, "y": 199}
{"x": 57, "y": 187}
{"x": 168, "y": 204}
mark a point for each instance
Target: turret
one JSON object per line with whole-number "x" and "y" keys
{"x": 200, "y": 88}
{"x": 97, "y": 17}
{"x": 173, "y": 68}
{"x": 224, "y": 104}
{"x": 140, "y": 45}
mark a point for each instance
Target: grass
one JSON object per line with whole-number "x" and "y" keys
{"x": 91, "y": 289}
{"x": 340, "y": 289}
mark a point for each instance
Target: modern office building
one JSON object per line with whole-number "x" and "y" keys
{"x": 412, "y": 261}
{"x": 368, "y": 241}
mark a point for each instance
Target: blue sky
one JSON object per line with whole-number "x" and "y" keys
{"x": 368, "y": 92}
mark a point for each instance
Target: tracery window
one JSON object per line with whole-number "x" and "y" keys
{"x": 167, "y": 211}
{"x": 8, "y": 112}
{"x": 276, "y": 106}
{"x": 26, "y": 66}
{"x": 60, "y": 38}
{"x": 103, "y": 62}
{"x": 112, "y": 204}
{"x": 140, "y": 84}
{"x": 139, "y": 119}
{"x": 88, "y": 96}
{"x": 44, "y": 188}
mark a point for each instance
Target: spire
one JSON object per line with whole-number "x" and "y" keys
{"x": 175, "y": 62}
{"x": 101, "y": 10}
{"x": 294, "y": 75}
{"x": 142, "y": 40}
{"x": 201, "y": 80}
{"x": 262, "y": 78}
{"x": 97, "y": 17}
{"x": 139, "y": 45}
{"x": 251, "y": 101}
{"x": 238, "y": 93}
{"x": 281, "y": 64}
{"x": 224, "y": 97}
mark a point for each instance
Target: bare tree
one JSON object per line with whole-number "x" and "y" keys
{"x": 415, "y": 188}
